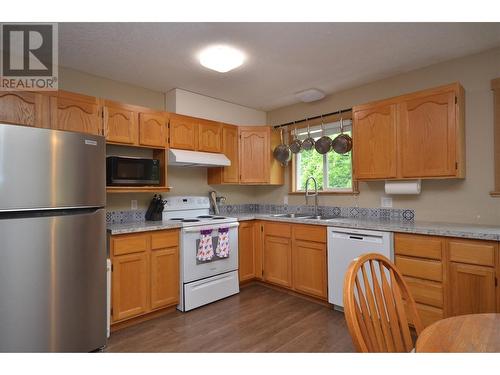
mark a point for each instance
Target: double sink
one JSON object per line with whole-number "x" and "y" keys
{"x": 306, "y": 216}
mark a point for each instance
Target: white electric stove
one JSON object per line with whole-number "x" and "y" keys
{"x": 203, "y": 281}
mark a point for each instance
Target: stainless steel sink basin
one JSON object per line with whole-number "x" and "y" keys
{"x": 292, "y": 216}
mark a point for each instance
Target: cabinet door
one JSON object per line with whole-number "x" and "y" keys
{"x": 309, "y": 268}
{"x": 230, "y": 149}
{"x": 375, "y": 143}
{"x": 278, "y": 261}
{"x": 428, "y": 136}
{"x": 472, "y": 289}
{"x": 255, "y": 153}
{"x": 209, "y": 136}
{"x": 183, "y": 133}
{"x": 130, "y": 286}
{"x": 78, "y": 113}
{"x": 25, "y": 108}
{"x": 152, "y": 130}
{"x": 120, "y": 124}
{"x": 164, "y": 277}
{"x": 246, "y": 255}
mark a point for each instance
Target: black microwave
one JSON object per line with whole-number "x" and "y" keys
{"x": 126, "y": 171}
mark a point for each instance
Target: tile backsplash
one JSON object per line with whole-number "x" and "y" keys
{"x": 397, "y": 214}
{"x": 335, "y": 211}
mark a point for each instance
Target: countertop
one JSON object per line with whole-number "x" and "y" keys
{"x": 473, "y": 231}
{"x": 140, "y": 226}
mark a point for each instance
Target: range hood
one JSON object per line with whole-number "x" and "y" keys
{"x": 197, "y": 158}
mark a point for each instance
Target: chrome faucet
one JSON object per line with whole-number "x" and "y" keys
{"x": 315, "y": 194}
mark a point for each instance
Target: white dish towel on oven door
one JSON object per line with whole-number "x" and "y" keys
{"x": 222, "y": 249}
{"x": 205, "y": 248}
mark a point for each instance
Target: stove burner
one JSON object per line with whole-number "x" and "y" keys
{"x": 204, "y": 217}
{"x": 218, "y": 217}
{"x": 189, "y": 220}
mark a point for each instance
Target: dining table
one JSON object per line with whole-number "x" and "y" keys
{"x": 473, "y": 333}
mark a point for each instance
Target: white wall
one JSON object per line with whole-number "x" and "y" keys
{"x": 196, "y": 105}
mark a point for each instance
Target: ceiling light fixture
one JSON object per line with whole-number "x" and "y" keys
{"x": 310, "y": 95}
{"x": 221, "y": 58}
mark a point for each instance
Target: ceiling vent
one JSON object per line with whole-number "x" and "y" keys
{"x": 310, "y": 95}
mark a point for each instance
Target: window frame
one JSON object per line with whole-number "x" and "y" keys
{"x": 293, "y": 165}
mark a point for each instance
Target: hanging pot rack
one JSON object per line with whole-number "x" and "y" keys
{"x": 294, "y": 123}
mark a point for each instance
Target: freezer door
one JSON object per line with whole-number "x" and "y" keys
{"x": 43, "y": 168}
{"x": 53, "y": 282}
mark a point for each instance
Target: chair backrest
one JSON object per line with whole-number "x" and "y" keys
{"x": 375, "y": 295}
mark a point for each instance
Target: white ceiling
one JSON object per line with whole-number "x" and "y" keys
{"x": 283, "y": 58}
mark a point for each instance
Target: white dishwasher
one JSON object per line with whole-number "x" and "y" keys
{"x": 346, "y": 244}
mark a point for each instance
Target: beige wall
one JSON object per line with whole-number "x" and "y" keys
{"x": 188, "y": 181}
{"x": 193, "y": 104}
{"x": 451, "y": 200}
{"x": 83, "y": 83}
{"x": 446, "y": 200}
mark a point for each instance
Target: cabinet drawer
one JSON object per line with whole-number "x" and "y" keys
{"x": 313, "y": 233}
{"x": 428, "y": 314}
{"x": 427, "y": 292}
{"x": 418, "y": 246}
{"x": 472, "y": 252}
{"x": 164, "y": 239}
{"x": 423, "y": 269}
{"x": 129, "y": 243}
{"x": 277, "y": 229}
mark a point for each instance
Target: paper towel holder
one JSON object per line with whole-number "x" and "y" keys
{"x": 403, "y": 187}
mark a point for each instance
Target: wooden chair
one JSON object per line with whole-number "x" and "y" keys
{"x": 374, "y": 291}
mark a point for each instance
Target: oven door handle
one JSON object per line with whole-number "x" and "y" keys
{"x": 206, "y": 227}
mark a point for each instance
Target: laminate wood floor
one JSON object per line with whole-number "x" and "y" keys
{"x": 258, "y": 319}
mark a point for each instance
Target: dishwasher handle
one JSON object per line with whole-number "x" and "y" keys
{"x": 357, "y": 237}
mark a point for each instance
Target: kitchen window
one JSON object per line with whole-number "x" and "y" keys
{"x": 332, "y": 171}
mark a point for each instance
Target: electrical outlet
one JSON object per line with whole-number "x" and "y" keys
{"x": 386, "y": 202}
{"x": 285, "y": 200}
{"x": 133, "y": 204}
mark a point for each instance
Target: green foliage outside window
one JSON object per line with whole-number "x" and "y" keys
{"x": 338, "y": 169}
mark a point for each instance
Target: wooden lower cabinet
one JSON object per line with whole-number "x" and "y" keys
{"x": 164, "y": 277}
{"x": 472, "y": 289}
{"x": 309, "y": 268}
{"x": 145, "y": 272}
{"x": 449, "y": 276}
{"x": 278, "y": 260}
{"x": 294, "y": 257}
{"x": 130, "y": 285}
{"x": 246, "y": 253}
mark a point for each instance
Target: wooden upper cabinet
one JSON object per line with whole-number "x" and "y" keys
{"x": 230, "y": 147}
{"x": 255, "y": 151}
{"x": 210, "y": 136}
{"x": 375, "y": 143}
{"x": 120, "y": 123}
{"x": 183, "y": 132}
{"x": 76, "y": 112}
{"x": 418, "y": 135}
{"x": 153, "y": 129}
{"x": 25, "y": 108}
{"x": 428, "y": 136}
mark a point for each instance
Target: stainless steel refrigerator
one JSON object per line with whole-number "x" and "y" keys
{"x": 52, "y": 241}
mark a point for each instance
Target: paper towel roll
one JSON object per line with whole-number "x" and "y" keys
{"x": 403, "y": 187}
